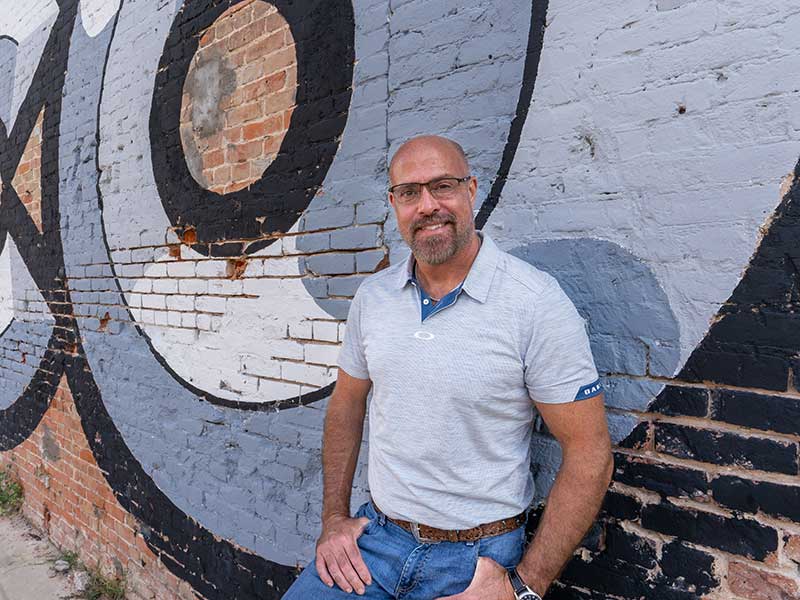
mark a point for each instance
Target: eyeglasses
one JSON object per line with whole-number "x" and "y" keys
{"x": 443, "y": 188}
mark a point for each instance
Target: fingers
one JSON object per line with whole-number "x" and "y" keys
{"x": 322, "y": 570}
{"x": 343, "y": 565}
{"x": 358, "y": 564}
{"x": 351, "y": 579}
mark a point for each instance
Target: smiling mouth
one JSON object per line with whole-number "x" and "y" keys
{"x": 434, "y": 227}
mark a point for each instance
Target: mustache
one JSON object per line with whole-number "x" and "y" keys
{"x": 428, "y": 221}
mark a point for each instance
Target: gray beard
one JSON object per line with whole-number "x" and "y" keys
{"x": 438, "y": 251}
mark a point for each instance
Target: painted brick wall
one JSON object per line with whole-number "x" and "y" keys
{"x": 191, "y": 195}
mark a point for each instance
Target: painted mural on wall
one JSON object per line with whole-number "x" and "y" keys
{"x": 192, "y": 192}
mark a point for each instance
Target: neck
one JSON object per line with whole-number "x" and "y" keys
{"x": 449, "y": 274}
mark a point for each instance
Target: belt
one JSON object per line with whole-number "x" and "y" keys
{"x": 428, "y": 534}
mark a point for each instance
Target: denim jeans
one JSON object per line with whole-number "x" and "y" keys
{"x": 404, "y": 568}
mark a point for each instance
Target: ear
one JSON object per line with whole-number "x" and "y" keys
{"x": 391, "y": 199}
{"x": 472, "y": 186}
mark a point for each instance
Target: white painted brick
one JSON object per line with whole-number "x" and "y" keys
{"x": 301, "y": 330}
{"x": 214, "y": 304}
{"x": 277, "y": 390}
{"x": 211, "y": 268}
{"x": 174, "y": 319}
{"x": 284, "y": 349}
{"x": 275, "y": 267}
{"x": 327, "y": 331}
{"x": 204, "y": 322}
{"x": 180, "y": 302}
{"x": 260, "y": 366}
{"x": 193, "y": 286}
{"x": 165, "y": 286}
{"x": 304, "y": 373}
{"x": 323, "y": 354}
{"x": 184, "y": 268}
{"x": 154, "y": 301}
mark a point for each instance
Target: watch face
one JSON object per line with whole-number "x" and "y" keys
{"x": 529, "y": 596}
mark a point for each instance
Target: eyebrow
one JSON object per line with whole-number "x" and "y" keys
{"x": 445, "y": 176}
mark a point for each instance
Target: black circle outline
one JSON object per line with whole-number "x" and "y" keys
{"x": 324, "y": 34}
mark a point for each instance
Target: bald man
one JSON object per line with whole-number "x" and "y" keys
{"x": 461, "y": 345}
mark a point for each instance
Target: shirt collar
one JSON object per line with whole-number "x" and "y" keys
{"x": 479, "y": 278}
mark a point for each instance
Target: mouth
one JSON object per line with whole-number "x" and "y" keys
{"x": 432, "y": 227}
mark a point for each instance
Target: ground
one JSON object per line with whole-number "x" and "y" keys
{"x": 26, "y": 564}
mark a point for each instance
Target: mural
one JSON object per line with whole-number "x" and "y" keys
{"x": 193, "y": 191}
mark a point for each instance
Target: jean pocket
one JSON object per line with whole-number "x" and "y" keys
{"x": 505, "y": 549}
{"x": 366, "y": 510}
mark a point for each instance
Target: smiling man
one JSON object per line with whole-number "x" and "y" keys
{"x": 461, "y": 345}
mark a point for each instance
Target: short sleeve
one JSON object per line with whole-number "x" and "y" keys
{"x": 559, "y": 366}
{"x": 352, "y": 358}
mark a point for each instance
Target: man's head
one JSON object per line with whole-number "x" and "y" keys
{"x": 437, "y": 225}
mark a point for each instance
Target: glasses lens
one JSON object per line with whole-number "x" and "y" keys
{"x": 407, "y": 192}
{"x": 443, "y": 188}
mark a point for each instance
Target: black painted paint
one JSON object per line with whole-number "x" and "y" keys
{"x": 41, "y": 252}
{"x": 533, "y": 55}
{"x": 756, "y": 411}
{"x": 687, "y": 568}
{"x": 724, "y": 448}
{"x": 235, "y": 224}
{"x": 735, "y": 535}
{"x": 685, "y": 401}
{"x": 774, "y": 499}
{"x": 676, "y": 482}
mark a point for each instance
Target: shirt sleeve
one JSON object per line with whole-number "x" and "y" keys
{"x": 559, "y": 366}
{"x": 352, "y": 358}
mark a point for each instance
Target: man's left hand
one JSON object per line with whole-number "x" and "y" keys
{"x": 490, "y": 582}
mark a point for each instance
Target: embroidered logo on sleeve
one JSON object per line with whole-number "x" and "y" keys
{"x": 590, "y": 391}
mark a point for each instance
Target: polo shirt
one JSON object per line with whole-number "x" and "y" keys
{"x": 451, "y": 412}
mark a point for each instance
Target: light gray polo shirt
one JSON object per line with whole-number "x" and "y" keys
{"x": 451, "y": 412}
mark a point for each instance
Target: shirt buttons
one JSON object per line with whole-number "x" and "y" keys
{"x": 426, "y": 301}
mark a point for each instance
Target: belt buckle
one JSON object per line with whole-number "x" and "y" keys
{"x": 419, "y": 538}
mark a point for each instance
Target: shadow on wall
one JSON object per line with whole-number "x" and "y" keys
{"x": 632, "y": 330}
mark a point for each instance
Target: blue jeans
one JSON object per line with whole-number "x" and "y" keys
{"x": 403, "y": 568}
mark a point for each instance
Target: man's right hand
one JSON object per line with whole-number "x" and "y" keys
{"x": 338, "y": 557}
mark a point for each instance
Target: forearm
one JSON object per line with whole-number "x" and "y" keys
{"x": 341, "y": 442}
{"x": 571, "y": 508}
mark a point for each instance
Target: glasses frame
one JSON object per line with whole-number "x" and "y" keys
{"x": 426, "y": 185}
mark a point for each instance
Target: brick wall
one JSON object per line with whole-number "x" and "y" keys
{"x": 192, "y": 195}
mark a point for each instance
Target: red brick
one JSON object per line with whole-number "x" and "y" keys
{"x": 792, "y": 548}
{"x": 265, "y": 46}
{"x": 243, "y": 114}
{"x": 755, "y": 584}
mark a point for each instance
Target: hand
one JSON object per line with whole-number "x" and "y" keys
{"x": 490, "y": 582}
{"x": 338, "y": 557}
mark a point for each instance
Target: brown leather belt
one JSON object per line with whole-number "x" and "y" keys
{"x": 426, "y": 533}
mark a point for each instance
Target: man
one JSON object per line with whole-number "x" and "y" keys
{"x": 457, "y": 344}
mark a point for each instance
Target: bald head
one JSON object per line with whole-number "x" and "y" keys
{"x": 427, "y": 148}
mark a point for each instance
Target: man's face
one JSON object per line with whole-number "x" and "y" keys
{"x": 434, "y": 229}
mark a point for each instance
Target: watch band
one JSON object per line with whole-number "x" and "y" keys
{"x": 521, "y": 590}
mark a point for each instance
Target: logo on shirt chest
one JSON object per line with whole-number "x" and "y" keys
{"x": 424, "y": 335}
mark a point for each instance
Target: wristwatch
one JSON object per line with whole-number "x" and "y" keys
{"x": 521, "y": 591}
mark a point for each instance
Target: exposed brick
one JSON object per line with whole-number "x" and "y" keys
{"x": 757, "y": 584}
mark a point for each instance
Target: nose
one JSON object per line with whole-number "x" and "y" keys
{"x": 427, "y": 203}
